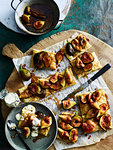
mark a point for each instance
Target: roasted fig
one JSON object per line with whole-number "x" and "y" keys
{"x": 46, "y": 122}
{"x": 84, "y": 98}
{"x": 65, "y": 126}
{"x": 44, "y": 83}
{"x": 54, "y": 78}
{"x": 87, "y": 58}
{"x": 69, "y": 75}
{"x": 88, "y": 126}
{"x": 73, "y": 136}
{"x": 34, "y": 88}
{"x": 59, "y": 56}
{"x": 79, "y": 63}
{"x": 55, "y": 86}
{"x": 38, "y": 24}
{"x": 67, "y": 113}
{"x": 88, "y": 67}
{"x": 91, "y": 113}
{"x": 69, "y": 49}
{"x": 26, "y": 18}
{"x": 67, "y": 104}
{"x": 105, "y": 122}
{"x": 25, "y": 74}
{"x": 63, "y": 134}
{"x": 25, "y": 94}
{"x": 61, "y": 79}
{"x": 42, "y": 93}
{"x": 38, "y": 63}
{"x": 65, "y": 118}
{"x": 82, "y": 40}
{"x": 76, "y": 121}
{"x": 47, "y": 60}
{"x": 27, "y": 10}
{"x": 102, "y": 110}
{"x": 26, "y": 131}
{"x": 76, "y": 45}
{"x": 96, "y": 95}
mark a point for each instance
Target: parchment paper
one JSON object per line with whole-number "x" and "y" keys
{"x": 51, "y": 103}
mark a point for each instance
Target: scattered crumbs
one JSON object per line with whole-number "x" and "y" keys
{"x": 55, "y": 51}
{"x": 54, "y": 113}
{"x": 24, "y": 65}
{"x": 85, "y": 76}
{"x": 88, "y": 90}
{"x": 85, "y": 134}
{"x": 58, "y": 65}
{"x": 89, "y": 136}
{"x": 57, "y": 69}
{"x": 73, "y": 97}
{"x": 32, "y": 70}
{"x": 82, "y": 133}
{"x": 58, "y": 94}
{"x": 106, "y": 96}
{"x": 95, "y": 89}
{"x": 87, "y": 39}
{"x": 41, "y": 74}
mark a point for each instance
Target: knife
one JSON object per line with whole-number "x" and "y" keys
{"x": 86, "y": 84}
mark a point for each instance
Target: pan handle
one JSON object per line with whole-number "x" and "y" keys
{"x": 17, "y": 4}
{"x": 56, "y": 28}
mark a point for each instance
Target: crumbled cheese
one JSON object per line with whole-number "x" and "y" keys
{"x": 29, "y": 109}
{"x": 19, "y": 117}
{"x": 34, "y": 133}
{"x": 36, "y": 122}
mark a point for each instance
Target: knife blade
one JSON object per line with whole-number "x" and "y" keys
{"x": 86, "y": 84}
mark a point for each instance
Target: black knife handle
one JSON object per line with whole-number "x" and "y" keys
{"x": 26, "y": 146}
{"x": 99, "y": 73}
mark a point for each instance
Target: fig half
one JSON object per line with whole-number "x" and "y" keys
{"x": 67, "y": 104}
{"x": 96, "y": 95}
{"x": 67, "y": 113}
{"x": 34, "y": 88}
{"x": 76, "y": 121}
{"x": 69, "y": 75}
{"x": 69, "y": 49}
{"x": 55, "y": 86}
{"x": 79, "y": 63}
{"x": 26, "y": 131}
{"x": 65, "y": 126}
{"x": 46, "y": 122}
{"x": 91, "y": 113}
{"x": 63, "y": 134}
{"x": 54, "y": 78}
{"x": 87, "y": 58}
{"x": 73, "y": 136}
{"x": 88, "y": 126}
{"x": 65, "y": 118}
{"x": 37, "y": 61}
{"x": 105, "y": 122}
{"x": 61, "y": 79}
{"x": 103, "y": 108}
{"x": 44, "y": 83}
{"x": 59, "y": 56}
{"x": 88, "y": 67}
{"x": 47, "y": 60}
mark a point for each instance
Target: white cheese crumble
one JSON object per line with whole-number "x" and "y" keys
{"x": 19, "y": 117}
{"x": 36, "y": 122}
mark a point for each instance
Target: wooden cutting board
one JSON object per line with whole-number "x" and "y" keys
{"x": 103, "y": 51}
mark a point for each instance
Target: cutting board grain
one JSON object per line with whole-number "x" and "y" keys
{"x": 103, "y": 51}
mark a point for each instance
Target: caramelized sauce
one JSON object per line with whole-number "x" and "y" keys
{"x": 43, "y": 10}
